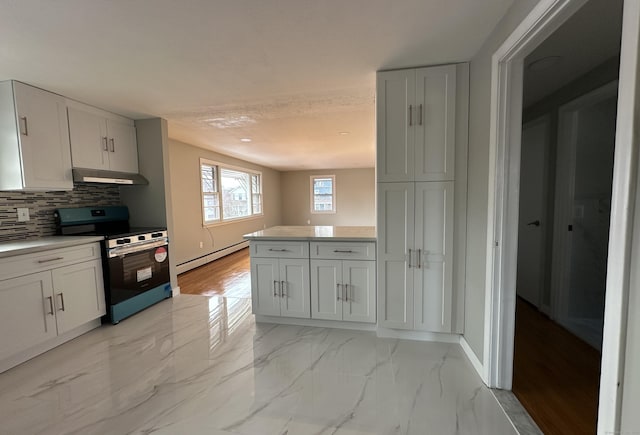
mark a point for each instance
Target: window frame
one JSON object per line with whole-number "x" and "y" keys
{"x": 334, "y": 201}
{"x": 218, "y": 182}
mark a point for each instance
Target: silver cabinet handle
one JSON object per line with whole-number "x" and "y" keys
{"x": 419, "y": 258}
{"x": 410, "y": 252}
{"x": 61, "y": 302}
{"x": 24, "y": 131}
{"x": 50, "y": 259}
{"x": 275, "y": 289}
{"x": 278, "y": 250}
{"x": 283, "y": 288}
{"x": 338, "y": 251}
{"x": 50, "y": 304}
{"x": 338, "y": 290}
{"x": 410, "y": 115}
{"x": 104, "y": 142}
{"x": 420, "y": 114}
{"x": 113, "y": 145}
{"x": 346, "y": 292}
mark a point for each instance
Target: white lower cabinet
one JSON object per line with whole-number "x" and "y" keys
{"x": 36, "y": 309}
{"x": 343, "y": 290}
{"x": 280, "y": 287}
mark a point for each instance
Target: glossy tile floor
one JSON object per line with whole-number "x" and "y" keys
{"x": 198, "y": 365}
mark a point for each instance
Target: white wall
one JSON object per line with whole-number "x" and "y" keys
{"x": 184, "y": 162}
{"x": 478, "y": 168}
{"x": 355, "y": 197}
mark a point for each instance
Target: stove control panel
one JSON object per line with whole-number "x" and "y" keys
{"x": 137, "y": 239}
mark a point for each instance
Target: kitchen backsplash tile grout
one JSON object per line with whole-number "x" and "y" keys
{"x": 41, "y": 206}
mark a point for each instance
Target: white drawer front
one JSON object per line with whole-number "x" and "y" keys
{"x": 343, "y": 250}
{"x": 19, "y": 265}
{"x": 279, "y": 249}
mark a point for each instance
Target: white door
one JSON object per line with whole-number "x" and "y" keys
{"x": 123, "y": 149}
{"x": 295, "y": 288}
{"x": 434, "y": 243}
{"x": 27, "y": 313}
{"x": 532, "y": 225}
{"x": 265, "y": 286}
{"x": 395, "y": 116}
{"x": 435, "y": 123}
{"x": 89, "y": 141}
{"x": 395, "y": 254}
{"x": 78, "y": 294}
{"x": 326, "y": 289}
{"x": 44, "y": 138}
{"x": 359, "y": 284}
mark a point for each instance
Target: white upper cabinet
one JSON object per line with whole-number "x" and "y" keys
{"x": 416, "y": 124}
{"x": 101, "y": 140}
{"x": 34, "y": 151}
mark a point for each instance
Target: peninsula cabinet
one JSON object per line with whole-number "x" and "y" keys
{"x": 101, "y": 140}
{"x": 416, "y": 124}
{"x": 343, "y": 281}
{"x": 280, "y": 284}
{"x": 415, "y": 255}
{"x": 47, "y": 298}
{"x": 34, "y": 151}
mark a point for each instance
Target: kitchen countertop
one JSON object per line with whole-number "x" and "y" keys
{"x": 315, "y": 233}
{"x": 19, "y": 247}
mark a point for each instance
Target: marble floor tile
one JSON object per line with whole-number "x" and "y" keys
{"x": 198, "y": 365}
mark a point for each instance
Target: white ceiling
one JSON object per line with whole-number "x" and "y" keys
{"x": 588, "y": 38}
{"x": 289, "y": 74}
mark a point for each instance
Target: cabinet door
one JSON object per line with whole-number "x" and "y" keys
{"x": 395, "y": 116}
{"x": 44, "y": 138}
{"x": 295, "y": 284}
{"x": 88, "y": 136}
{"x": 326, "y": 289}
{"x": 27, "y": 315}
{"x": 78, "y": 294}
{"x": 359, "y": 281}
{"x": 395, "y": 246}
{"x": 435, "y": 123}
{"x": 434, "y": 240}
{"x": 265, "y": 286}
{"x": 123, "y": 148}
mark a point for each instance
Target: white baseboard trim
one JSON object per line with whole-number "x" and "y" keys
{"x": 317, "y": 323}
{"x": 184, "y": 267}
{"x": 417, "y": 335}
{"x": 475, "y": 362}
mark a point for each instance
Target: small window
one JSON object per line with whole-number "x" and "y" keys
{"x": 229, "y": 193}
{"x": 323, "y": 194}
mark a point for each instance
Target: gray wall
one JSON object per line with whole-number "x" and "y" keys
{"x": 355, "y": 198}
{"x": 184, "y": 164}
{"x": 478, "y": 169}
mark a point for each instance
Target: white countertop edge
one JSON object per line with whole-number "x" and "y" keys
{"x": 21, "y": 247}
{"x": 316, "y": 233}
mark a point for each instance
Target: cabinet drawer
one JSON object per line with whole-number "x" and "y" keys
{"x": 279, "y": 249}
{"x": 343, "y": 250}
{"x": 45, "y": 260}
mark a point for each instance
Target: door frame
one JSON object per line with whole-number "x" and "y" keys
{"x": 503, "y": 191}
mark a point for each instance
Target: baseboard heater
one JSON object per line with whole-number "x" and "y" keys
{"x": 197, "y": 262}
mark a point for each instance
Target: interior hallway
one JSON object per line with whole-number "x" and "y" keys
{"x": 556, "y": 375}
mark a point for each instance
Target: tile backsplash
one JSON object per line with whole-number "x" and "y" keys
{"x": 42, "y": 204}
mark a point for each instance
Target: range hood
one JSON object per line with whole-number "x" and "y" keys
{"x": 107, "y": 177}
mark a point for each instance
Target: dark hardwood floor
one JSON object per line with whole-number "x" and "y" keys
{"x": 228, "y": 276}
{"x": 556, "y": 375}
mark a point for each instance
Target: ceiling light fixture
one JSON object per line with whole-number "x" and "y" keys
{"x": 543, "y": 63}
{"x": 343, "y": 133}
{"x": 245, "y": 139}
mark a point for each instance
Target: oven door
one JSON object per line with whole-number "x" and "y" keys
{"x": 134, "y": 270}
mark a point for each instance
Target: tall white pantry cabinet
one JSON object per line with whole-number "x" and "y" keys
{"x": 422, "y": 140}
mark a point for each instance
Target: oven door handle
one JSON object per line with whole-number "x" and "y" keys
{"x": 138, "y": 247}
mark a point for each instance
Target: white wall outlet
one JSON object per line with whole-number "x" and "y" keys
{"x": 308, "y": 221}
{"x": 23, "y": 214}
{"x": 201, "y": 245}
